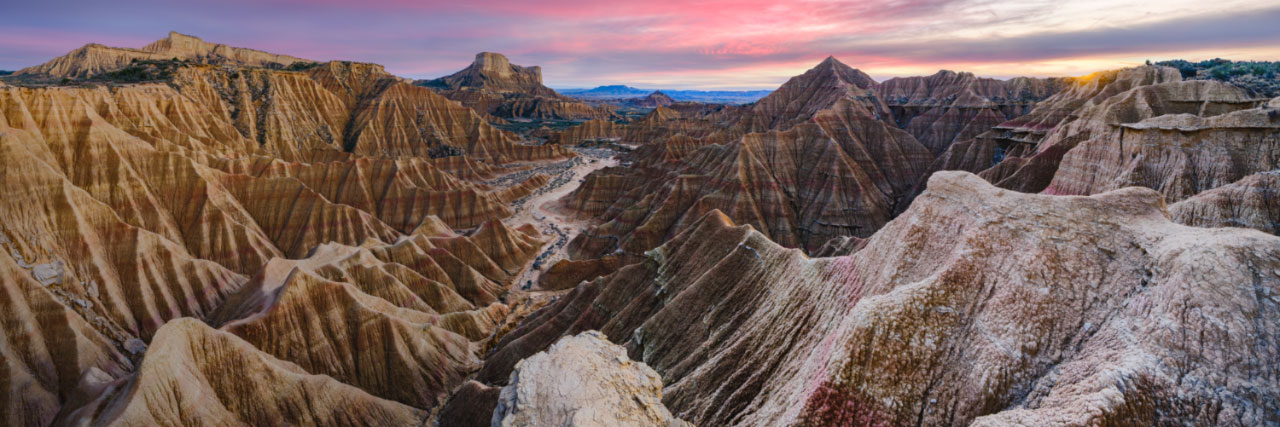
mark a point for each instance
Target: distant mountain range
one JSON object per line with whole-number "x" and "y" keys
{"x": 624, "y": 92}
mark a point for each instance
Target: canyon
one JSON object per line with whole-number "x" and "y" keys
{"x": 199, "y": 234}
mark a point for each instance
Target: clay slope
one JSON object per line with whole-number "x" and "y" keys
{"x": 491, "y": 85}
{"x": 797, "y": 186}
{"x": 46, "y": 347}
{"x": 129, "y": 206}
{"x": 949, "y": 106}
{"x": 1178, "y": 151}
{"x": 835, "y": 165}
{"x": 238, "y": 211}
{"x": 196, "y": 375}
{"x": 1249, "y": 202}
{"x": 349, "y": 107}
{"x": 320, "y": 113}
{"x": 93, "y": 59}
{"x": 423, "y": 302}
{"x": 977, "y": 305}
{"x": 818, "y": 89}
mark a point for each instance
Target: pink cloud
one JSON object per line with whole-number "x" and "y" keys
{"x": 751, "y": 43}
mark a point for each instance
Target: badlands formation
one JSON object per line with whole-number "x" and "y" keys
{"x": 198, "y": 234}
{"x": 492, "y": 85}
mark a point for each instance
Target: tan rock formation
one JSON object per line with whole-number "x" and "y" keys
{"x": 657, "y": 126}
{"x": 493, "y": 86}
{"x": 93, "y": 58}
{"x": 493, "y": 72}
{"x": 583, "y": 380}
{"x": 1135, "y": 127}
{"x": 301, "y": 211}
{"x": 195, "y": 375}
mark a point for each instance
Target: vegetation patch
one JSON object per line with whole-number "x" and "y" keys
{"x": 445, "y": 150}
{"x": 142, "y": 70}
{"x": 301, "y": 66}
{"x": 1260, "y": 77}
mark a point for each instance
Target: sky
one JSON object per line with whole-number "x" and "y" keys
{"x": 674, "y": 44}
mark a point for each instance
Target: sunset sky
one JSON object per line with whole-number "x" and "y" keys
{"x": 674, "y": 44}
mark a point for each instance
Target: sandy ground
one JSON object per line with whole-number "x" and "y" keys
{"x": 536, "y": 209}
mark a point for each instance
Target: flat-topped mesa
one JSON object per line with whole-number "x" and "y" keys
{"x": 492, "y": 86}
{"x": 497, "y": 65}
{"x": 94, "y": 59}
{"x": 493, "y": 72}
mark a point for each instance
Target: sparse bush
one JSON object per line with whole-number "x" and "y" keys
{"x": 301, "y": 66}
{"x": 144, "y": 70}
{"x": 444, "y": 150}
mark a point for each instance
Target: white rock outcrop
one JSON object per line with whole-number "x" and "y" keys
{"x": 583, "y": 380}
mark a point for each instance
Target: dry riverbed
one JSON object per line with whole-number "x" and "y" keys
{"x": 536, "y": 208}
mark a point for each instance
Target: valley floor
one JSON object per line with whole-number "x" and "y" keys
{"x": 538, "y": 208}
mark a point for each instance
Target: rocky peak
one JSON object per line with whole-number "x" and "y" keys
{"x": 833, "y": 72}
{"x": 655, "y": 99}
